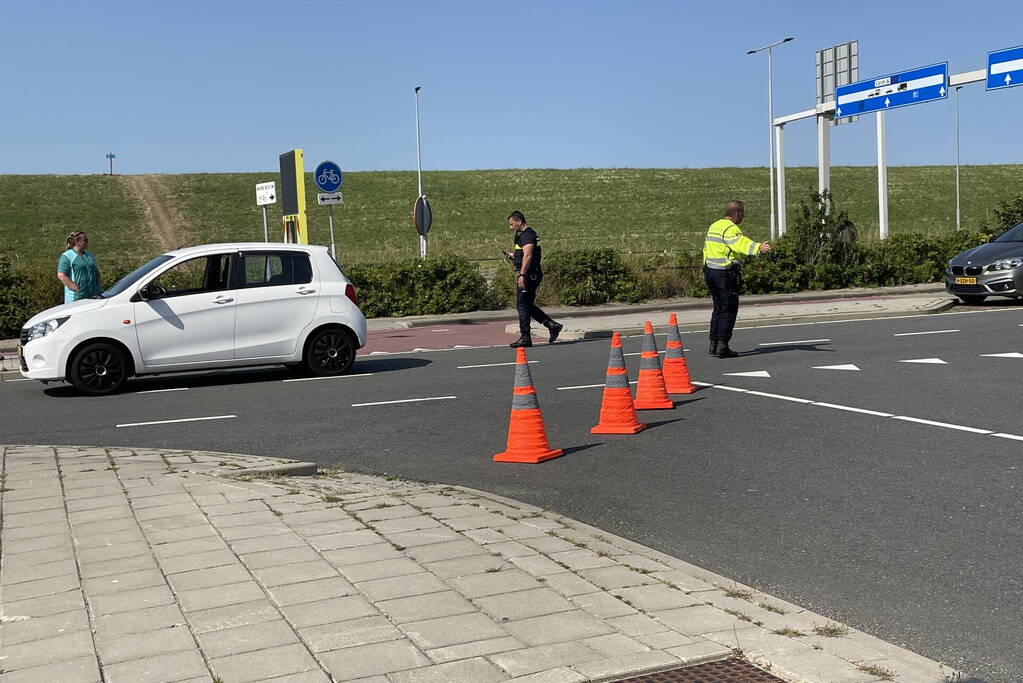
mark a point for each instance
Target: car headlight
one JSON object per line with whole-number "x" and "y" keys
{"x": 1006, "y": 265}
{"x": 42, "y": 329}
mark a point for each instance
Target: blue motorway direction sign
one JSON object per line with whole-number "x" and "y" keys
{"x": 894, "y": 90}
{"x": 1005, "y": 68}
{"x": 327, "y": 176}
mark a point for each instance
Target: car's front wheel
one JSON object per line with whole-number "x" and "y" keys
{"x": 330, "y": 352}
{"x": 99, "y": 369}
{"x": 974, "y": 300}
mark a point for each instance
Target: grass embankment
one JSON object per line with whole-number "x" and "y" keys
{"x": 628, "y": 209}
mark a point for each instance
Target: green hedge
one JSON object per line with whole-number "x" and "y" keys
{"x": 448, "y": 284}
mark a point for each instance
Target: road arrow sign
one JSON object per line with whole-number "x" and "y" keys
{"x": 266, "y": 193}
{"x": 1005, "y": 68}
{"x": 894, "y": 90}
{"x": 329, "y": 198}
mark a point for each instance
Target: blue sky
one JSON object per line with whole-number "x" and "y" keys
{"x": 213, "y": 86}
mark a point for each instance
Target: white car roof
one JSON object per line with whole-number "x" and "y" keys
{"x": 244, "y": 246}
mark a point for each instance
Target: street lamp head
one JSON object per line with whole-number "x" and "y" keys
{"x": 751, "y": 52}
{"x": 788, "y": 39}
{"x": 418, "y": 88}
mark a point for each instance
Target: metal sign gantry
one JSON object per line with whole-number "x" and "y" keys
{"x": 824, "y": 114}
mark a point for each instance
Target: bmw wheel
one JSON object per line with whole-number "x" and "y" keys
{"x": 330, "y": 352}
{"x": 98, "y": 369}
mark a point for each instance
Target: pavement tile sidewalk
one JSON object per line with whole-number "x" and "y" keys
{"x": 149, "y": 565}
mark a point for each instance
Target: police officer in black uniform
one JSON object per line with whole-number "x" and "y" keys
{"x": 528, "y": 275}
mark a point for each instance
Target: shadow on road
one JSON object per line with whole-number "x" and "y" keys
{"x": 783, "y": 347}
{"x": 388, "y": 364}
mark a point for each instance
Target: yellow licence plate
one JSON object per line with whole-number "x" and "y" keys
{"x": 966, "y": 280}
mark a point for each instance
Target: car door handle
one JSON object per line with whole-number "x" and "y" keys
{"x": 306, "y": 291}
{"x": 223, "y": 300}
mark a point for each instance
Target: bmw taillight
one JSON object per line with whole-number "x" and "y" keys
{"x": 350, "y": 293}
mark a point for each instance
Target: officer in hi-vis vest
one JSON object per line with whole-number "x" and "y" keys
{"x": 724, "y": 245}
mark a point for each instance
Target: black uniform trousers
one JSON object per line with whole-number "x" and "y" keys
{"x": 525, "y": 302}
{"x": 724, "y": 290}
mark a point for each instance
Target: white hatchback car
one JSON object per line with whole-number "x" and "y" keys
{"x": 214, "y": 306}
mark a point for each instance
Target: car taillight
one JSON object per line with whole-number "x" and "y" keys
{"x": 350, "y": 293}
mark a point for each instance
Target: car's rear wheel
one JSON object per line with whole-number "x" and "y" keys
{"x": 330, "y": 352}
{"x": 972, "y": 300}
{"x": 99, "y": 369}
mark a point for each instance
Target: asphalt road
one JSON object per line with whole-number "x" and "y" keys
{"x": 886, "y": 497}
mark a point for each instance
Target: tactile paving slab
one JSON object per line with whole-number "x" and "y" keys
{"x": 723, "y": 671}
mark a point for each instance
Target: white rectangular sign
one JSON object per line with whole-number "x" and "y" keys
{"x": 329, "y": 198}
{"x": 266, "y": 193}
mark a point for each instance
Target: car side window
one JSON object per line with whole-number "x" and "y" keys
{"x": 195, "y": 276}
{"x": 270, "y": 269}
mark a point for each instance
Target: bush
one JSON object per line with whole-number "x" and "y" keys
{"x": 591, "y": 276}
{"x": 1008, "y": 214}
{"x": 449, "y": 284}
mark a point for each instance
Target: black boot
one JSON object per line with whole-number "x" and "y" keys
{"x": 523, "y": 340}
{"x": 554, "y": 328}
{"x": 725, "y": 352}
{"x": 713, "y": 347}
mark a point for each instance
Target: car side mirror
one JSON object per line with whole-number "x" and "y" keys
{"x": 149, "y": 292}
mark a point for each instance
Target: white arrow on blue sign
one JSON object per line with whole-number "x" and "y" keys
{"x": 902, "y": 89}
{"x": 1005, "y": 68}
{"x": 327, "y": 176}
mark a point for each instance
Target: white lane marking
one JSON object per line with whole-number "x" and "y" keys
{"x": 587, "y": 386}
{"x": 851, "y": 409}
{"x": 638, "y": 353}
{"x": 755, "y": 373}
{"x": 1009, "y": 436}
{"x": 23, "y": 379}
{"x": 160, "y": 391}
{"x": 1014, "y": 354}
{"x": 187, "y": 419}
{"x": 847, "y": 366}
{"x": 941, "y": 424}
{"x": 931, "y": 361}
{"x": 783, "y": 398}
{"x": 404, "y": 400}
{"x": 313, "y": 379}
{"x": 492, "y": 365}
{"x": 442, "y": 330}
{"x": 913, "y": 334}
{"x": 802, "y": 341}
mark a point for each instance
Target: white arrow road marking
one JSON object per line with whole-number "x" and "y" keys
{"x": 801, "y": 341}
{"x": 913, "y": 334}
{"x": 847, "y": 366}
{"x": 167, "y": 422}
{"x": 755, "y": 373}
{"x": 404, "y": 400}
{"x": 932, "y": 361}
{"x": 588, "y": 386}
{"x": 1014, "y": 354}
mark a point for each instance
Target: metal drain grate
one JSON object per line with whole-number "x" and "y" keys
{"x": 723, "y": 671}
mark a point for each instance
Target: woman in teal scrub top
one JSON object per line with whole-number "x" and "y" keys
{"x": 77, "y": 269}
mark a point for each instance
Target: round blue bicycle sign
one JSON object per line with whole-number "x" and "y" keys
{"x": 328, "y": 176}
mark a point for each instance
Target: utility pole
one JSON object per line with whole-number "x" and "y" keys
{"x": 770, "y": 115}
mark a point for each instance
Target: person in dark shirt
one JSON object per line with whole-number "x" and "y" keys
{"x": 528, "y": 274}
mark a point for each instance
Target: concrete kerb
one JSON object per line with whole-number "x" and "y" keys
{"x": 292, "y": 469}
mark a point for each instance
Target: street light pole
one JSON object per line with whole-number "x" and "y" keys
{"x": 419, "y": 171}
{"x": 958, "y": 217}
{"x": 770, "y": 116}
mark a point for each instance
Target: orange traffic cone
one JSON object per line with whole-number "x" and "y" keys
{"x": 527, "y": 436}
{"x": 676, "y": 372}
{"x": 617, "y": 414}
{"x": 651, "y": 394}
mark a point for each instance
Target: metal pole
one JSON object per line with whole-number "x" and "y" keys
{"x": 958, "y": 217}
{"x": 266, "y": 226}
{"x": 779, "y": 135}
{"x": 330, "y": 220}
{"x": 419, "y": 153}
{"x": 770, "y": 131}
{"x": 882, "y": 179}
{"x": 823, "y": 154}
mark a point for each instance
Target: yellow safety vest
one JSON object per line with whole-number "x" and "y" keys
{"x": 724, "y": 242}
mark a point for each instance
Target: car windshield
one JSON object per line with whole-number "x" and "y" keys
{"x": 1013, "y": 234}
{"x": 134, "y": 276}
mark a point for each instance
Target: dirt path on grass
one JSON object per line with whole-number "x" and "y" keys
{"x": 164, "y": 221}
